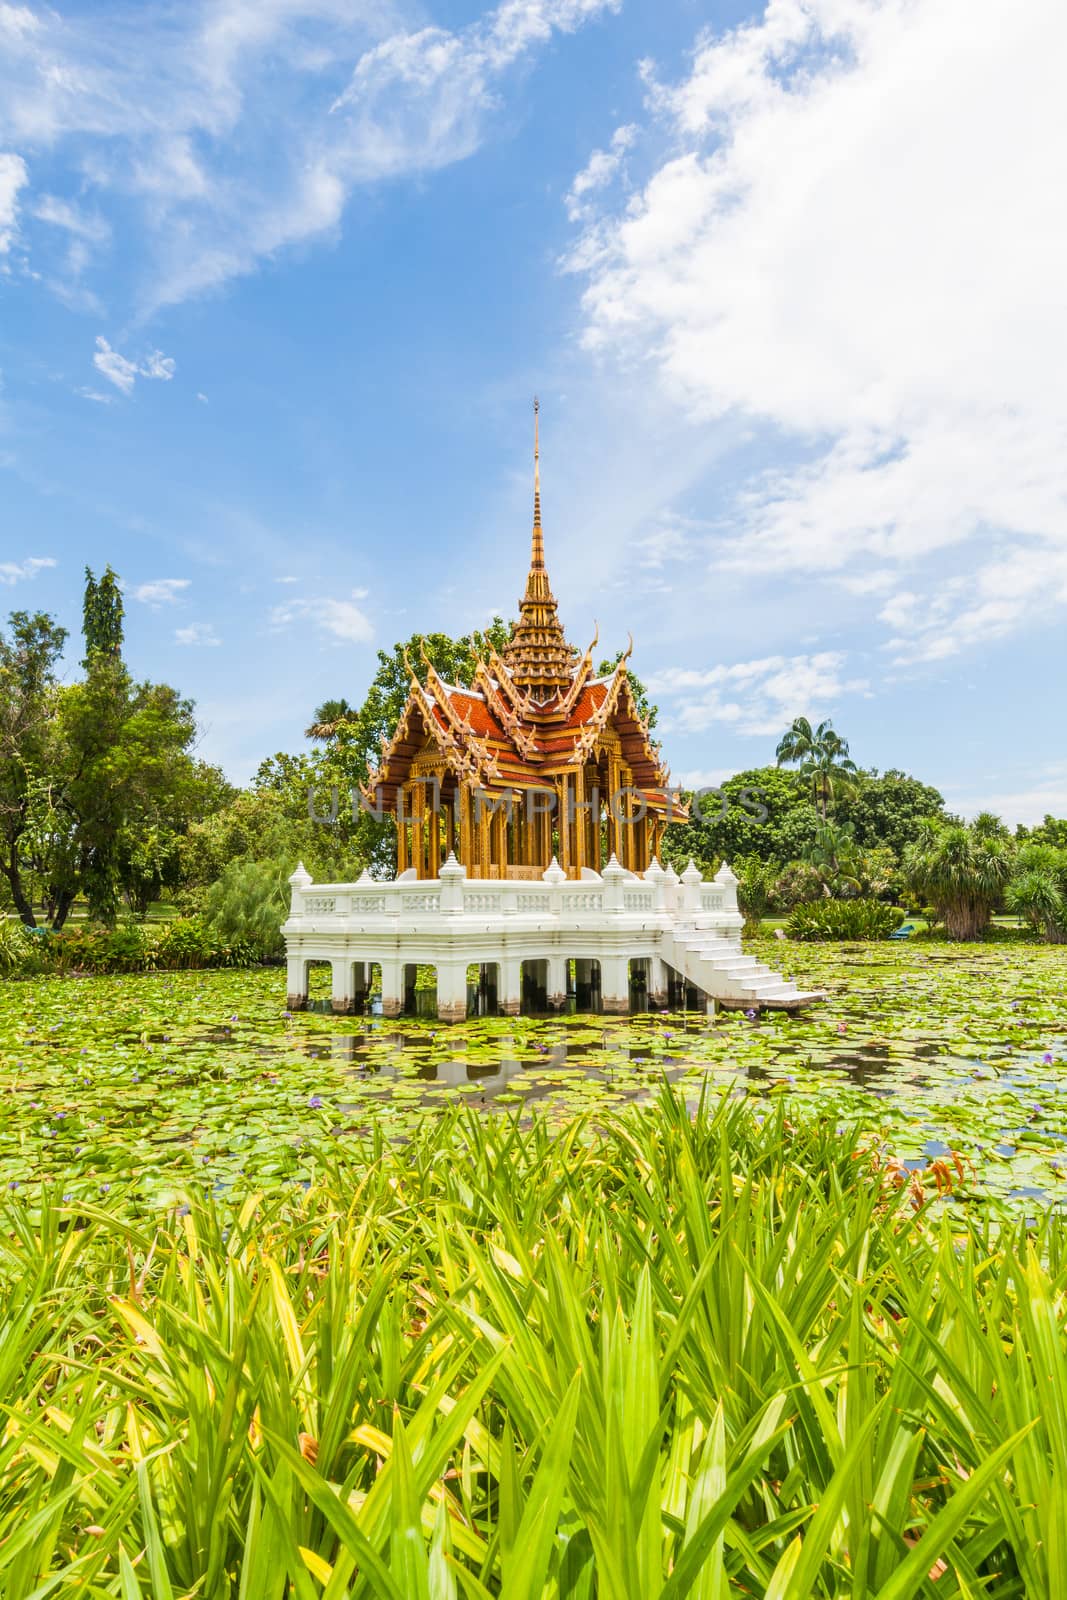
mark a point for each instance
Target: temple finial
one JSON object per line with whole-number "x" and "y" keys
{"x": 538, "y": 554}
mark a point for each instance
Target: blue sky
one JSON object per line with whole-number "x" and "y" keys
{"x": 278, "y": 279}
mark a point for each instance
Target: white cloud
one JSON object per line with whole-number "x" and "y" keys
{"x": 258, "y": 118}
{"x": 159, "y": 591}
{"x": 202, "y": 398}
{"x": 14, "y": 571}
{"x": 115, "y": 368}
{"x": 600, "y": 170}
{"x": 1018, "y": 584}
{"x": 197, "y": 633}
{"x": 63, "y": 214}
{"x": 845, "y": 247}
{"x": 754, "y": 697}
{"x": 124, "y": 373}
{"x": 157, "y": 365}
{"x": 13, "y": 178}
{"x": 341, "y": 618}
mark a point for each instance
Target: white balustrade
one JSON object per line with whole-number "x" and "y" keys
{"x": 613, "y": 917}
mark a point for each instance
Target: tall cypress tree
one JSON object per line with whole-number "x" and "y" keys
{"x": 102, "y": 614}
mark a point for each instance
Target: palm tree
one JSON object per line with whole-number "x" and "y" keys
{"x": 962, "y": 872}
{"x": 823, "y": 759}
{"x": 330, "y": 718}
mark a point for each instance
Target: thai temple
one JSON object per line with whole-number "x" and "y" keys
{"x": 530, "y": 809}
{"x": 521, "y": 768}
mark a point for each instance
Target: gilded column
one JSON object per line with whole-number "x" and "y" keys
{"x": 579, "y": 822}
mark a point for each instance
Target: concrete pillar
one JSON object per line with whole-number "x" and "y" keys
{"x": 340, "y": 996}
{"x": 510, "y": 986}
{"x": 452, "y": 991}
{"x": 296, "y": 983}
{"x": 557, "y": 983}
{"x": 615, "y": 985}
{"x": 392, "y": 987}
{"x": 657, "y": 983}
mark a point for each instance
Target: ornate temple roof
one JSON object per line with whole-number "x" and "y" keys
{"x": 535, "y": 710}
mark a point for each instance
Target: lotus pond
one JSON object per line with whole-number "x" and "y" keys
{"x": 202, "y": 1078}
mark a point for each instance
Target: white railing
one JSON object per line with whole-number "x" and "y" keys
{"x": 612, "y": 893}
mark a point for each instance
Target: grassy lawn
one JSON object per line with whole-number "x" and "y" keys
{"x": 302, "y": 1307}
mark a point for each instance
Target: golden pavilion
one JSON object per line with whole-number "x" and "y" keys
{"x": 539, "y": 759}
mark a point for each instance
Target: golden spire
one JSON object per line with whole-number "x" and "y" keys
{"x": 537, "y": 557}
{"x": 538, "y": 655}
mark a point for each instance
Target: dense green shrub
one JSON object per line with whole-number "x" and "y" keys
{"x": 249, "y": 903}
{"x": 843, "y": 919}
{"x": 133, "y": 947}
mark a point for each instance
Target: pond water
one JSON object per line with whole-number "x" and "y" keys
{"x": 167, "y": 1079}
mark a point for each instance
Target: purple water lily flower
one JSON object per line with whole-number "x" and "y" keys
{"x": 751, "y": 1015}
{"x": 315, "y": 1102}
{"x": 1048, "y": 1058}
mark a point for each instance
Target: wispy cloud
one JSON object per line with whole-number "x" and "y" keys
{"x": 123, "y": 373}
{"x": 197, "y": 633}
{"x": 13, "y": 178}
{"x": 830, "y": 247}
{"x": 15, "y": 571}
{"x": 754, "y": 697}
{"x": 340, "y": 618}
{"x": 257, "y": 119}
{"x": 159, "y": 591}
{"x": 600, "y": 170}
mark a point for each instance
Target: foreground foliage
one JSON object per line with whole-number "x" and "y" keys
{"x": 675, "y": 1354}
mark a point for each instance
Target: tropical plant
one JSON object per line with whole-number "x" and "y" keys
{"x": 822, "y": 758}
{"x": 835, "y": 858}
{"x": 843, "y": 919}
{"x": 798, "y": 883}
{"x": 1038, "y": 891}
{"x": 249, "y": 903}
{"x": 755, "y": 888}
{"x": 963, "y": 873}
{"x": 329, "y": 719}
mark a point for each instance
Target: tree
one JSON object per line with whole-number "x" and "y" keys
{"x": 758, "y": 812}
{"x": 961, "y": 872}
{"x": 1053, "y": 830}
{"x": 823, "y": 759}
{"x": 329, "y": 719}
{"x": 1038, "y": 891}
{"x": 102, "y": 616}
{"x": 987, "y": 825}
{"x": 28, "y": 657}
{"x": 887, "y": 809}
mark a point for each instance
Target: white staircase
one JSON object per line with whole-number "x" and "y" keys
{"x": 717, "y": 966}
